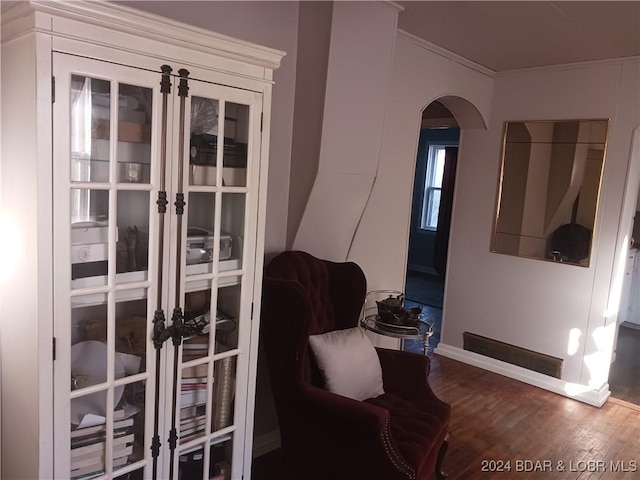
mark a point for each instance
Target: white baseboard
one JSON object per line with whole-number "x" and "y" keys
{"x": 582, "y": 393}
{"x": 265, "y": 443}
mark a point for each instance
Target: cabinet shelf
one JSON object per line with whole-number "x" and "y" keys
{"x": 214, "y": 441}
{"x": 138, "y": 282}
{"x": 133, "y": 159}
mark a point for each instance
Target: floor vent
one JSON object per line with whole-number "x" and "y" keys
{"x": 522, "y": 357}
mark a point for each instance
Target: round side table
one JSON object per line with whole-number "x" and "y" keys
{"x": 423, "y": 331}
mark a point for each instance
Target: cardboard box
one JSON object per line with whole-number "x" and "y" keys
{"x": 127, "y": 131}
{"x": 134, "y": 132}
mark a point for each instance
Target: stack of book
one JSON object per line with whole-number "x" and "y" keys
{"x": 88, "y": 454}
{"x": 193, "y": 399}
{"x": 192, "y": 349}
{"x": 195, "y": 347}
{"x": 195, "y": 371}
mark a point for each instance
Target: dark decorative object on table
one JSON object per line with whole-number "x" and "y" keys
{"x": 571, "y": 242}
{"x": 391, "y": 310}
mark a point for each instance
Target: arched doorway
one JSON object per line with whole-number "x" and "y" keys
{"x": 434, "y": 182}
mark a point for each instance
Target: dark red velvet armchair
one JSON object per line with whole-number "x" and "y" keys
{"x": 398, "y": 435}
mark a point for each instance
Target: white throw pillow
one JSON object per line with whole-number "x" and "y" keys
{"x": 349, "y": 362}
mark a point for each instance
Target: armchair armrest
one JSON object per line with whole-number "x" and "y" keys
{"x": 404, "y": 372}
{"x": 338, "y": 413}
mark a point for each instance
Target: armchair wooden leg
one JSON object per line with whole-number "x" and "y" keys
{"x": 441, "y": 453}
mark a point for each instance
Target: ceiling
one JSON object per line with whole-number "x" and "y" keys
{"x": 506, "y": 35}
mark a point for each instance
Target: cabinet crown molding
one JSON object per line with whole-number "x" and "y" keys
{"x": 127, "y": 20}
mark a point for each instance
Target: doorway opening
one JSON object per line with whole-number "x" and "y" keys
{"x": 433, "y": 190}
{"x": 625, "y": 367}
{"x": 625, "y": 370}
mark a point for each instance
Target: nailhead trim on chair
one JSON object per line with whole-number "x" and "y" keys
{"x": 393, "y": 455}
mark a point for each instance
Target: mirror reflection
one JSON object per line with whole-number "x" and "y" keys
{"x": 549, "y": 187}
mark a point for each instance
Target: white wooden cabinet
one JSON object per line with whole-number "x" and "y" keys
{"x": 131, "y": 262}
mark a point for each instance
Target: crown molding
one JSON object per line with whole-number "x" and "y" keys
{"x": 396, "y": 7}
{"x": 129, "y": 20}
{"x": 443, "y": 52}
{"x": 571, "y": 66}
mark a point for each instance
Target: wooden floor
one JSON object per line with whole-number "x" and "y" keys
{"x": 496, "y": 420}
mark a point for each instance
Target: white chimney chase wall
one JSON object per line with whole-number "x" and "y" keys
{"x": 358, "y": 76}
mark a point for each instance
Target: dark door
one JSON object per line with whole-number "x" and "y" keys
{"x": 444, "y": 215}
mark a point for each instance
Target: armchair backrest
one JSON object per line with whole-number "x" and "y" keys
{"x": 333, "y": 292}
{"x": 303, "y": 295}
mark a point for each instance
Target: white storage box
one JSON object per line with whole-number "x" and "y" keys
{"x": 94, "y": 252}
{"x": 200, "y": 246}
{"x": 83, "y": 234}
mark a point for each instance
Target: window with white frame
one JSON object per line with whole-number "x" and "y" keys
{"x": 432, "y": 187}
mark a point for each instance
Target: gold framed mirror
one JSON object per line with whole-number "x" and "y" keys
{"x": 549, "y": 187}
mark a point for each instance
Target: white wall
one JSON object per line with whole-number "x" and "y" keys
{"x": 360, "y": 56}
{"x": 530, "y": 303}
{"x": 419, "y": 77}
{"x": 314, "y": 34}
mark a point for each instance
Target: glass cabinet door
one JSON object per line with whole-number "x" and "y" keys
{"x": 119, "y": 261}
{"x": 104, "y": 238}
{"x": 222, "y": 129}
